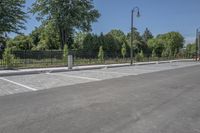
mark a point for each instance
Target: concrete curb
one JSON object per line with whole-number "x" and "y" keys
{"x": 79, "y": 68}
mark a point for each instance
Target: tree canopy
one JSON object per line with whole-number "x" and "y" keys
{"x": 67, "y": 16}
{"x": 12, "y": 16}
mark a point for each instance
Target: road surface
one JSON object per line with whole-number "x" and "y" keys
{"x": 159, "y": 102}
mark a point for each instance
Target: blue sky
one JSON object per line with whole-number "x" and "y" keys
{"x": 160, "y": 16}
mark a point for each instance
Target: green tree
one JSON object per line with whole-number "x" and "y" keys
{"x": 78, "y": 40}
{"x": 101, "y": 54}
{"x": 123, "y": 50}
{"x": 20, "y": 42}
{"x": 118, "y": 35}
{"x": 49, "y": 39}
{"x": 12, "y": 16}
{"x": 147, "y": 35}
{"x": 138, "y": 43}
{"x": 154, "y": 53}
{"x": 35, "y": 36}
{"x": 173, "y": 41}
{"x": 191, "y": 50}
{"x": 66, "y": 16}
{"x": 156, "y": 45}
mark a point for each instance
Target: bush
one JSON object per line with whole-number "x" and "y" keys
{"x": 8, "y": 58}
{"x": 65, "y": 53}
{"x": 101, "y": 54}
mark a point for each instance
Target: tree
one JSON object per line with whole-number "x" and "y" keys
{"x": 66, "y": 16}
{"x": 20, "y": 42}
{"x": 138, "y": 43}
{"x": 101, "y": 54}
{"x": 123, "y": 50}
{"x": 78, "y": 40}
{"x": 173, "y": 41}
{"x": 191, "y": 50}
{"x": 49, "y": 39}
{"x": 154, "y": 54}
{"x": 12, "y": 16}
{"x": 156, "y": 46}
{"x": 147, "y": 35}
{"x": 118, "y": 35}
{"x": 35, "y": 35}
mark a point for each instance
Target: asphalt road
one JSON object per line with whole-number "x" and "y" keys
{"x": 160, "y": 102}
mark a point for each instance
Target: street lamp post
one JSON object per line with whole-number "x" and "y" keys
{"x": 137, "y": 10}
{"x": 197, "y": 43}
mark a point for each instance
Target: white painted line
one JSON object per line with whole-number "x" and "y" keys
{"x": 27, "y": 87}
{"x": 109, "y": 72}
{"x": 73, "y": 76}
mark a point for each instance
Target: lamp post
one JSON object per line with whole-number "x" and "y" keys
{"x": 137, "y": 10}
{"x": 197, "y": 43}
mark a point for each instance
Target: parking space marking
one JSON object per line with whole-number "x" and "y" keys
{"x": 110, "y": 72}
{"x": 73, "y": 76}
{"x": 27, "y": 87}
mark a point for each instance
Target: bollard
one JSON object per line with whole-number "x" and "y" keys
{"x": 70, "y": 62}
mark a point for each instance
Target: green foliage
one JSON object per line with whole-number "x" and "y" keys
{"x": 65, "y": 53}
{"x": 78, "y": 40}
{"x": 12, "y": 16}
{"x": 156, "y": 45}
{"x": 154, "y": 53}
{"x": 142, "y": 54}
{"x": 20, "y": 42}
{"x": 190, "y": 50}
{"x": 147, "y": 35}
{"x": 173, "y": 42}
{"x": 118, "y": 35}
{"x": 101, "y": 54}
{"x": 49, "y": 39}
{"x": 8, "y": 58}
{"x": 66, "y": 15}
{"x": 123, "y": 50}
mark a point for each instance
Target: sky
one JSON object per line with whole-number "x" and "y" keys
{"x": 160, "y": 16}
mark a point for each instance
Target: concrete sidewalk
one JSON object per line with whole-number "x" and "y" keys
{"x": 77, "y": 68}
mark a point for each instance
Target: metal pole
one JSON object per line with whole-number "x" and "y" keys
{"x": 196, "y": 44}
{"x": 132, "y": 37}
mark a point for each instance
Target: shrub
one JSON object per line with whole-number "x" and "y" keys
{"x": 8, "y": 58}
{"x": 65, "y": 53}
{"x": 101, "y": 54}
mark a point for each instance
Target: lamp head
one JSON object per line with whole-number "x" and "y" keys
{"x": 138, "y": 14}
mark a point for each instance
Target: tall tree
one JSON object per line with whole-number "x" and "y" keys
{"x": 174, "y": 41}
{"x": 119, "y": 35}
{"x": 67, "y": 15}
{"x": 147, "y": 35}
{"x": 12, "y": 16}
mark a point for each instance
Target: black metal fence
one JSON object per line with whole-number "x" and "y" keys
{"x": 35, "y": 59}
{"x": 54, "y": 58}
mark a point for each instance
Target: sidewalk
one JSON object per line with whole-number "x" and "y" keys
{"x": 77, "y": 68}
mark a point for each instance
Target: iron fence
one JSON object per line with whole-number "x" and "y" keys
{"x": 54, "y": 58}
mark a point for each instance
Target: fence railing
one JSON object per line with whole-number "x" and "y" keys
{"x": 54, "y": 58}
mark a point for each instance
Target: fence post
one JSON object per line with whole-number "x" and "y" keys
{"x": 70, "y": 62}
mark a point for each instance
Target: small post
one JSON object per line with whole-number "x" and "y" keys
{"x": 70, "y": 62}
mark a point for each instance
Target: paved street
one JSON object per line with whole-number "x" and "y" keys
{"x": 26, "y": 83}
{"x": 160, "y": 102}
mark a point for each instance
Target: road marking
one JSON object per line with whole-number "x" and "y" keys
{"x": 73, "y": 76}
{"x": 27, "y": 87}
{"x": 110, "y": 72}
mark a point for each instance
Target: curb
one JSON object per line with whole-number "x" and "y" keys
{"x": 79, "y": 68}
